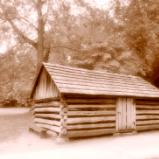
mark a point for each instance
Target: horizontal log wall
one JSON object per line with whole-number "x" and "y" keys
{"x": 47, "y": 116}
{"x": 147, "y": 117}
{"x": 88, "y": 117}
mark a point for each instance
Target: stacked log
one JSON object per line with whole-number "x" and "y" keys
{"x": 147, "y": 117}
{"x": 47, "y": 116}
{"x": 88, "y": 117}
{"x": 76, "y": 117}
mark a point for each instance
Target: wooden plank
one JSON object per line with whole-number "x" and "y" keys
{"x": 53, "y": 116}
{"x": 46, "y": 121}
{"x": 45, "y": 88}
{"x": 60, "y": 75}
{"x": 72, "y": 70}
{"x": 81, "y": 96}
{"x": 104, "y": 82}
{"x": 101, "y": 102}
{"x": 47, "y": 109}
{"x": 90, "y": 120}
{"x": 91, "y": 126}
{"x": 147, "y": 122}
{"x": 147, "y": 112}
{"x": 117, "y": 115}
{"x": 99, "y": 80}
{"x": 86, "y": 71}
{"x": 90, "y": 113}
{"x": 134, "y": 112}
{"x": 88, "y": 106}
{"x": 52, "y": 133}
{"x": 52, "y": 104}
{"x": 41, "y": 107}
{"x": 46, "y": 100}
{"x": 147, "y": 127}
{"x": 90, "y": 73}
{"x": 49, "y": 127}
{"x": 100, "y": 88}
{"x": 92, "y": 109}
{"x": 139, "y": 82}
{"x": 135, "y": 80}
{"x": 89, "y": 133}
{"x": 147, "y": 117}
{"x": 109, "y": 92}
{"x": 147, "y": 107}
{"x": 144, "y": 102}
{"x": 36, "y": 129}
{"x": 131, "y": 114}
{"x": 120, "y": 114}
{"x": 97, "y": 75}
{"x": 124, "y": 114}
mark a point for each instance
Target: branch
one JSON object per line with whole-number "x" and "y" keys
{"x": 27, "y": 21}
{"x": 47, "y": 12}
{"x": 41, "y": 25}
{"x": 66, "y": 47}
{"x": 47, "y": 53}
{"x": 21, "y": 34}
{"x": 4, "y": 16}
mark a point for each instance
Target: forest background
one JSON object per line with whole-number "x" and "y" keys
{"x": 119, "y": 36}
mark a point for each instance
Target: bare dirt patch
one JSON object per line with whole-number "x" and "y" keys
{"x": 17, "y": 142}
{"x": 13, "y": 123}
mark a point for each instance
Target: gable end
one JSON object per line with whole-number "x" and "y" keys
{"x": 44, "y": 86}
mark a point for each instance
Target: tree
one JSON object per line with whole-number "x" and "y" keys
{"x": 99, "y": 38}
{"x": 17, "y": 69}
{"x": 16, "y": 14}
{"x": 88, "y": 35}
{"x": 80, "y": 34}
{"x": 140, "y": 27}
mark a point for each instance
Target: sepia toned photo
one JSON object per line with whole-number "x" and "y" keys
{"x": 79, "y": 79}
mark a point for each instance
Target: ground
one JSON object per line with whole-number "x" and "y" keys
{"x": 17, "y": 142}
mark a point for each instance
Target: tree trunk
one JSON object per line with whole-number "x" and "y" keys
{"x": 40, "y": 43}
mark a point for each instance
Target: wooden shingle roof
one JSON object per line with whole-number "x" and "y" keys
{"x": 82, "y": 81}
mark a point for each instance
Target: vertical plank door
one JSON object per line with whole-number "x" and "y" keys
{"x": 125, "y": 114}
{"x": 131, "y": 114}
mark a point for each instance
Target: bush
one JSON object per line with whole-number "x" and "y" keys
{"x": 9, "y": 103}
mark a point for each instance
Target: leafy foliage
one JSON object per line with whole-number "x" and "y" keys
{"x": 123, "y": 39}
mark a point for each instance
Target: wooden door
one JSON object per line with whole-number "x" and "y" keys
{"x": 125, "y": 114}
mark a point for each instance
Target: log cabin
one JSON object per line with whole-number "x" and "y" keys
{"x": 73, "y": 102}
